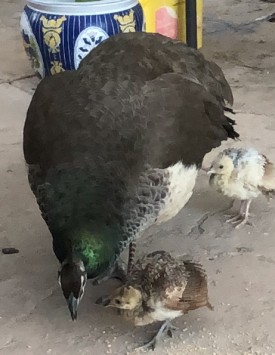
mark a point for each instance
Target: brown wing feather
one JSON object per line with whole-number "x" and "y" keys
{"x": 194, "y": 293}
{"x": 180, "y": 285}
{"x": 163, "y": 89}
{"x": 224, "y": 87}
{"x": 158, "y": 272}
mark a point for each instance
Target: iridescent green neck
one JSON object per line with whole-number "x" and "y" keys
{"x": 97, "y": 248}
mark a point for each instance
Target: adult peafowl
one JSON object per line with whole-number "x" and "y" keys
{"x": 115, "y": 147}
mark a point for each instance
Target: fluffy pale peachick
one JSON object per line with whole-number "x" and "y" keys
{"x": 242, "y": 174}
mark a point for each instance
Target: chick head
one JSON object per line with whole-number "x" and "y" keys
{"x": 222, "y": 165}
{"x": 125, "y": 297}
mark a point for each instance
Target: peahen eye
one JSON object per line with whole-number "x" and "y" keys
{"x": 221, "y": 166}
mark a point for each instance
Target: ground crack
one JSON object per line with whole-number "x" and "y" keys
{"x": 11, "y": 81}
{"x": 197, "y": 229}
{"x": 26, "y": 316}
{"x": 253, "y": 113}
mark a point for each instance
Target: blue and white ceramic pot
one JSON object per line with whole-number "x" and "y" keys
{"x": 57, "y": 35}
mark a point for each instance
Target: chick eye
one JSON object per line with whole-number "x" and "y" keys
{"x": 117, "y": 301}
{"x": 221, "y": 167}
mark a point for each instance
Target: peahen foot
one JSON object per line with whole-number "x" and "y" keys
{"x": 119, "y": 272}
{"x": 167, "y": 328}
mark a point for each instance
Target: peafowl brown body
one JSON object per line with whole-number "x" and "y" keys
{"x": 115, "y": 146}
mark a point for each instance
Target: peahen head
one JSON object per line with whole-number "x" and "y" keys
{"x": 86, "y": 249}
{"x": 72, "y": 278}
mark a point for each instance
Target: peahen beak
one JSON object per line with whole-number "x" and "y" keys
{"x": 73, "y": 303}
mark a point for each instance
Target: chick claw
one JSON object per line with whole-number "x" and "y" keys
{"x": 243, "y": 222}
{"x": 240, "y": 219}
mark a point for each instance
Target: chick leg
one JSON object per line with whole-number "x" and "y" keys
{"x": 237, "y": 217}
{"x": 167, "y": 328}
{"x": 245, "y": 216}
{"x": 242, "y": 218}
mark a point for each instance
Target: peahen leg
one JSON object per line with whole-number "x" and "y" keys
{"x": 118, "y": 271}
{"x": 131, "y": 257}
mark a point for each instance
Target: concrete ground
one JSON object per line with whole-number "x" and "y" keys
{"x": 240, "y": 264}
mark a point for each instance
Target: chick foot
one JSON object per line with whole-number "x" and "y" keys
{"x": 234, "y": 219}
{"x": 167, "y": 328}
{"x": 242, "y": 218}
{"x": 240, "y": 221}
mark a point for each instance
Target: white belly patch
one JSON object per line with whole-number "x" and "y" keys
{"x": 182, "y": 182}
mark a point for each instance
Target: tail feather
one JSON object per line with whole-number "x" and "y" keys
{"x": 224, "y": 86}
{"x": 267, "y": 186}
{"x": 230, "y": 129}
{"x": 228, "y": 109}
{"x": 269, "y": 194}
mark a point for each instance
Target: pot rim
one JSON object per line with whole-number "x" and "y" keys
{"x": 99, "y": 7}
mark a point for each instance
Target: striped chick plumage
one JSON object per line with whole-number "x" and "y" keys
{"x": 160, "y": 288}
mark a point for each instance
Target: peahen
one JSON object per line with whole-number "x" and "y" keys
{"x": 115, "y": 147}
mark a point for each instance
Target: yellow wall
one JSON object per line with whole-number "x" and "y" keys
{"x": 155, "y": 9}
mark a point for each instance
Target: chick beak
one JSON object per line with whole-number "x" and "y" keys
{"x": 208, "y": 171}
{"x": 73, "y": 305}
{"x": 106, "y": 302}
{"x": 203, "y": 168}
